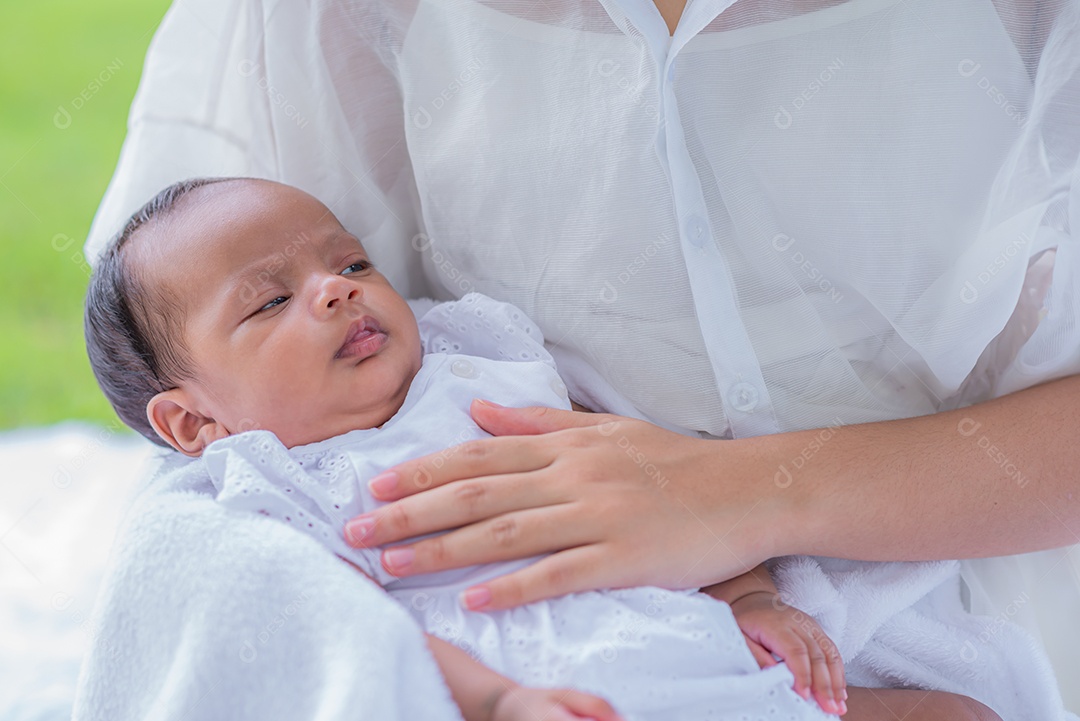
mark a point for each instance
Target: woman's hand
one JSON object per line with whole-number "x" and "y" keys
{"x": 620, "y": 502}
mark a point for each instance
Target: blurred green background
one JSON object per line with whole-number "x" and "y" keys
{"x": 68, "y": 73}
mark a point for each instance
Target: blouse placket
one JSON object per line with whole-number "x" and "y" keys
{"x": 735, "y": 364}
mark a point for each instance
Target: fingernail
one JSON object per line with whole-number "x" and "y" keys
{"x": 383, "y": 484}
{"x": 843, "y": 708}
{"x": 490, "y": 404}
{"x": 357, "y": 530}
{"x": 398, "y": 558}
{"x": 476, "y": 598}
{"x": 843, "y": 693}
{"x": 805, "y": 692}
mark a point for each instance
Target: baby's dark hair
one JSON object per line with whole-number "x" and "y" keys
{"x": 134, "y": 331}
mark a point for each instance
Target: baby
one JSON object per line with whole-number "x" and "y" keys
{"x": 237, "y": 320}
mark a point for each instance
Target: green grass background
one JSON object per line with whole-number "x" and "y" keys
{"x": 51, "y": 181}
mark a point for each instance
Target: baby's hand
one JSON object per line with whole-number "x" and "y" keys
{"x": 772, "y": 627}
{"x": 550, "y": 704}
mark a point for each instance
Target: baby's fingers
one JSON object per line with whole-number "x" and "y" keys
{"x": 822, "y": 672}
{"x": 792, "y": 647}
{"x": 836, "y": 668}
{"x": 761, "y": 654}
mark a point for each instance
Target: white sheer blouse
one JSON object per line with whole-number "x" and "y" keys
{"x": 789, "y": 214}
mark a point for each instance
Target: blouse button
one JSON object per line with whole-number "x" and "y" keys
{"x": 559, "y": 387}
{"x": 463, "y": 369}
{"x": 696, "y": 230}
{"x": 743, "y": 397}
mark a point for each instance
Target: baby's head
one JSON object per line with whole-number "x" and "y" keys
{"x": 231, "y": 304}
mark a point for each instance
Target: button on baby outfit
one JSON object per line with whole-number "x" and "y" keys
{"x": 463, "y": 369}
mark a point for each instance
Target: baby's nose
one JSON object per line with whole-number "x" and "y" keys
{"x": 334, "y": 290}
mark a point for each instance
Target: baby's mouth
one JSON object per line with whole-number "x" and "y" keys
{"x": 364, "y": 338}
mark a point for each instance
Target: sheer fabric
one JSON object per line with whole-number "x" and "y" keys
{"x": 789, "y": 214}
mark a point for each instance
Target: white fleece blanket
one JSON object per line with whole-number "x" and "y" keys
{"x": 903, "y": 625}
{"x": 207, "y": 613}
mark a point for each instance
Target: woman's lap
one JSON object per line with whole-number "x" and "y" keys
{"x": 877, "y": 704}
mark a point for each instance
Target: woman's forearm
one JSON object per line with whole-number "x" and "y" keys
{"x": 992, "y": 479}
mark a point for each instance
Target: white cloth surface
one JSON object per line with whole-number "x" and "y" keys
{"x": 806, "y": 215}
{"x": 60, "y": 501}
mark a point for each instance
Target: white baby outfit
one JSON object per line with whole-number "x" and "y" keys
{"x": 655, "y": 654}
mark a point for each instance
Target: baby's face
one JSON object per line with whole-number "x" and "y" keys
{"x": 289, "y": 326}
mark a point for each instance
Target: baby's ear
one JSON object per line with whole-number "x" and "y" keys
{"x": 173, "y": 415}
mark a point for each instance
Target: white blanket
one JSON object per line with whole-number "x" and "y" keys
{"x": 209, "y": 614}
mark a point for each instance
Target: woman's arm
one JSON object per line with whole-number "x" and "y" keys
{"x": 992, "y": 479}
{"x": 623, "y": 502}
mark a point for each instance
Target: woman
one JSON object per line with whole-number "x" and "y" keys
{"x": 830, "y": 232}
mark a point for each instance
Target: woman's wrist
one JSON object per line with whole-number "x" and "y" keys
{"x": 748, "y": 467}
{"x": 779, "y": 461}
{"x": 900, "y": 490}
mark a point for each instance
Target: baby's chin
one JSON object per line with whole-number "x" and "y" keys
{"x": 370, "y": 418}
{"x": 330, "y": 419}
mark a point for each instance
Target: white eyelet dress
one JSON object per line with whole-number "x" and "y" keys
{"x": 654, "y": 654}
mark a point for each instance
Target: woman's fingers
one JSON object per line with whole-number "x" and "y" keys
{"x": 451, "y": 506}
{"x": 644, "y": 494}
{"x": 509, "y": 451}
{"x": 510, "y": 536}
{"x": 569, "y": 571}
{"x": 530, "y": 420}
{"x": 472, "y": 459}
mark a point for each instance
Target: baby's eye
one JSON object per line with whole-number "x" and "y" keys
{"x": 358, "y": 266}
{"x": 276, "y": 301}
